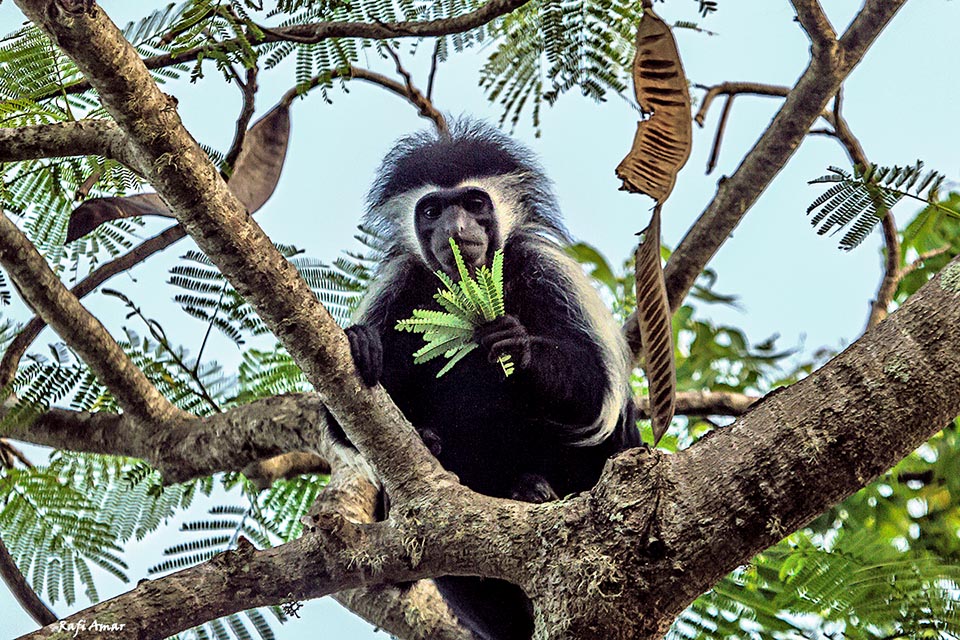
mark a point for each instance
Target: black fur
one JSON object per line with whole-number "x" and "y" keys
{"x": 519, "y": 437}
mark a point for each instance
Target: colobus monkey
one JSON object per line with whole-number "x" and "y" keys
{"x": 546, "y": 430}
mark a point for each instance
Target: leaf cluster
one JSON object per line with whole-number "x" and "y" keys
{"x": 467, "y": 304}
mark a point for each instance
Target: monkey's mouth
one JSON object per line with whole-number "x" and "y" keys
{"x": 474, "y": 256}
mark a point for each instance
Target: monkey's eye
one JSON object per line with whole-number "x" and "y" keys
{"x": 474, "y": 202}
{"x": 430, "y": 210}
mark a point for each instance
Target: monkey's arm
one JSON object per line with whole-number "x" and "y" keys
{"x": 561, "y": 373}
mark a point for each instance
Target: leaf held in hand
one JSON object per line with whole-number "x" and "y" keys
{"x": 468, "y": 304}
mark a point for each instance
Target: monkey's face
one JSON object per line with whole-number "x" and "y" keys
{"x": 465, "y": 214}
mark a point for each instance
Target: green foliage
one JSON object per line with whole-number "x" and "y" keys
{"x": 320, "y": 60}
{"x": 927, "y": 244}
{"x": 548, "y": 47}
{"x": 210, "y": 297}
{"x": 861, "y": 199}
{"x": 467, "y": 304}
{"x": 55, "y": 533}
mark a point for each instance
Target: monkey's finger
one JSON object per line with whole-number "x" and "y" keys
{"x": 514, "y": 346}
{"x": 510, "y": 333}
{"x": 498, "y": 325}
{"x": 367, "y": 352}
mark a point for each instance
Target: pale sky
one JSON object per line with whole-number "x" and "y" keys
{"x": 901, "y": 102}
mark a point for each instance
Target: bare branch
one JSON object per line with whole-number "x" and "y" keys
{"x": 927, "y": 255}
{"x": 406, "y": 91}
{"x": 734, "y": 88}
{"x": 423, "y": 104}
{"x": 284, "y": 467}
{"x": 249, "y": 89}
{"x": 44, "y": 292}
{"x": 735, "y": 195}
{"x": 706, "y": 403}
{"x": 718, "y": 138}
{"x": 814, "y": 21}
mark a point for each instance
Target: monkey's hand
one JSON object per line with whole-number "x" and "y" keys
{"x": 505, "y": 335}
{"x": 367, "y": 351}
{"x": 532, "y": 487}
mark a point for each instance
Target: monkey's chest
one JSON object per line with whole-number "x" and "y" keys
{"x": 486, "y": 431}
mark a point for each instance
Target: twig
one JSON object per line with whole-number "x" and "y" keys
{"x": 249, "y": 89}
{"x": 423, "y": 104}
{"x": 923, "y": 257}
{"x": 424, "y": 107}
{"x": 732, "y": 89}
{"x": 10, "y": 454}
{"x": 433, "y": 69}
{"x": 891, "y": 266}
{"x": 705, "y": 403}
{"x": 718, "y": 138}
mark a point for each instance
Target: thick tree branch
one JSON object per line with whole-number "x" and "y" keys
{"x": 221, "y": 226}
{"x": 820, "y": 81}
{"x": 340, "y": 555}
{"x": 186, "y": 448}
{"x": 59, "y": 308}
{"x": 803, "y": 449}
{"x": 80, "y": 138}
{"x": 254, "y": 437}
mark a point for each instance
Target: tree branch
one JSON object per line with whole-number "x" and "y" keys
{"x": 735, "y": 195}
{"x": 814, "y": 21}
{"x": 44, "y": 292}
{"x": 61, "y": 139}
{"x": 705, "y": 403}
{"x": 187, "y": 448}
{"x": 222, "y": 228}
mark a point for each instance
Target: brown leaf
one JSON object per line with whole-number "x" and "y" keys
{"x": 656, "y": 330}
{"x": 662, "y": 143}
{"x": 94, "y": 212}
{"x": 254, "y": 178}
{"x": 258, "y": 167}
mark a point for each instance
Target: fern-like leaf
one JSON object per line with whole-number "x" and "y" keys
{"x": 858, "y": 201}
